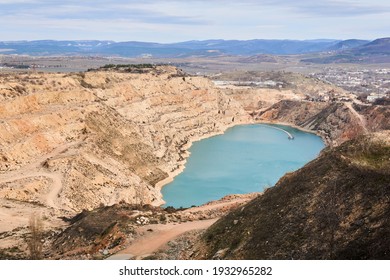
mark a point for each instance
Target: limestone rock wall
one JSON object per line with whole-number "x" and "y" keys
{"x": 103, "y": 137}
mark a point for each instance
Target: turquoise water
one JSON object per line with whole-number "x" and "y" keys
{"x": 244, "y": 159}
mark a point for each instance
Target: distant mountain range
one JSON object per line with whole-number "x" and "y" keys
{"x": 335, "y": 48}
{"x": 356, "y": 51}
{"x": 348, "y": 44}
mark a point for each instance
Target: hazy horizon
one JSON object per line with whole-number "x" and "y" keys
{"x": 177, "y": 21}
{"x": 201, "y": 40}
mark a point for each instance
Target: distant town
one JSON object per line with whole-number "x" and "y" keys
{"x": 368, "y": 84}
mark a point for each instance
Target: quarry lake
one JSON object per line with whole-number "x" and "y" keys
{"x": 246, "y": 158}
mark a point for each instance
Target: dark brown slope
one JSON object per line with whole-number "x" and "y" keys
{"x": 336, "y": 207}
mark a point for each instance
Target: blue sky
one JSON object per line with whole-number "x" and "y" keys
{"x": 175, "y": 21}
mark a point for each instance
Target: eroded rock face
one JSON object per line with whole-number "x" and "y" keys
{"x": 336, "y": 122}
{"x": 103, "y": 137}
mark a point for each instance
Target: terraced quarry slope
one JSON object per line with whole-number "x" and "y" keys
{"x": 101, "y": 137}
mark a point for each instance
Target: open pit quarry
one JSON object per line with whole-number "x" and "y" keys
{"x": 79, "y": 141}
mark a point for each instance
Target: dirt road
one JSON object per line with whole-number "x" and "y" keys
{"x": 153, "y": 237}
{"x": 159, "y": 236}
{"x": 355, "y": 113}
{"x": 34, "y": 169}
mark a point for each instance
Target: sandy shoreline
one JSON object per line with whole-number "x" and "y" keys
{"x": 291, "y": 125}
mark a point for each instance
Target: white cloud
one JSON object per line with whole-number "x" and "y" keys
{"x": 172, "y": 20}
{"x": 16, "y": 1}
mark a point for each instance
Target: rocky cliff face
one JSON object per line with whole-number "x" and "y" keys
{"x": 336, "y": 207}
{"x": 76, "y": 141}
{"x": 335, "y": 122}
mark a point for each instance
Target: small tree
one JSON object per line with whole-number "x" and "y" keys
{"x": 34, "y": 240}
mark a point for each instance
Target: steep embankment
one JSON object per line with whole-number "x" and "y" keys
{"x": 336, "y": 122}
{"x": 336, "y": 207}
{"x": 376, "y": 117}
